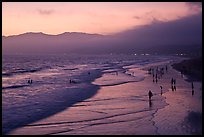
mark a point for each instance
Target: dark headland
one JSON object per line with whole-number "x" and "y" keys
{"x": 192, "y": 68}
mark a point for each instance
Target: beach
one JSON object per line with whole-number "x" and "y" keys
{"x": 122, "y": 107}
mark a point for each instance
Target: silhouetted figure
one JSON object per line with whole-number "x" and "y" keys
{"x": 175, "y": 84}
{"x": 172, "y": 82}
{"x": 161, "y": 89}
{"x": 153, "y": 80}
{"x": 30, "y": 81}
{"x": 153, "y": 75}
{"x": 156, "y": 80}
{"x": 70, "y": 81}
{"x": 89, "y": 73}
{"x": 150, "y": 95}
{"x": 192, "y": 88}
{"x": 166, "y": 68}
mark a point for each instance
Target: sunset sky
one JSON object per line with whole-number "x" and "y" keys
{"x": 89, "y": 17}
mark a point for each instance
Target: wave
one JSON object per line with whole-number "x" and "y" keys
{"x": 14, "y": 86}
{"x": 21, "y": 71}
{"x": 108, "y": 79}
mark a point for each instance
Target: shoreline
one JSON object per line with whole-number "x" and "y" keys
{"x": 106, "y": 111}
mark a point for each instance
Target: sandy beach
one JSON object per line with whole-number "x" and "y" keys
{"x": 124, "y": 109}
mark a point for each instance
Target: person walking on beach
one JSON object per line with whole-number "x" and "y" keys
{"x": 161, "y": 89}
{"x": 153, "y": 77}
{"x": 29, "y": 81}
{"x": 175, "y": 84}
{"x": 150, "y": 95}
{"x": 166, "y": 68}
{"x": 156, "y": 77}
{"x": 172, "y": 84}
{"x": 192, "y": 88}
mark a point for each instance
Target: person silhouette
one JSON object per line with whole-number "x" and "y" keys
{"x": 175, "y": 84}
{"x": 150, "y": 94}
{"x": 161, "y": 89}
{"x": 172, "y": 82}
{"x": 192, "y": 88}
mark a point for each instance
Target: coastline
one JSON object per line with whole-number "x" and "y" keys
{"x": 112, "y": 111}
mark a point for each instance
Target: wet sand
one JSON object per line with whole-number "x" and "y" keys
{"x": 125, "y": 110}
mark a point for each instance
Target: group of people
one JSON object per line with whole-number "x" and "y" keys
{"x": 30, "y": 81}
{"x": 160, "y": 72}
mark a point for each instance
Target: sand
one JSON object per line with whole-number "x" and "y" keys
{"x": 125, "y": 110}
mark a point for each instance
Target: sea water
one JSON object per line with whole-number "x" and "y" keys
{"x": 51, "y": 90}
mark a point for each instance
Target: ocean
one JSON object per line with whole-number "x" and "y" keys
{"x": 51, "y": 91}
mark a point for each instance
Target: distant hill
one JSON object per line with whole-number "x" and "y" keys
{"x": 182, "y": 35}
{"x": 44, "y": 43}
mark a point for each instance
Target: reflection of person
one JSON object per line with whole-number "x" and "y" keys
{"x": 150, "y": 95}
{"x": 150, "y": 103}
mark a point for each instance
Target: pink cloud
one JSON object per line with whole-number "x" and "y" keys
{"x": 45, "y": 12}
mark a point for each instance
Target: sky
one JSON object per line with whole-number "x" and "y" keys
{"x": 89, "y": 17}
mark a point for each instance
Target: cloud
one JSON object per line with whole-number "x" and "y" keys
{"x": 45, "y": 12}
{"x": 137, "y": 17}
{"x": 151, "y": 17}
{"x": 194, "y": 6}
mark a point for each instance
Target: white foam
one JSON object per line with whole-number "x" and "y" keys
{"x": 109, "y": 79}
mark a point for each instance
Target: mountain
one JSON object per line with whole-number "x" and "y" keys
{"x": 182, "y": 35}
{"x": 43, "y": 43}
